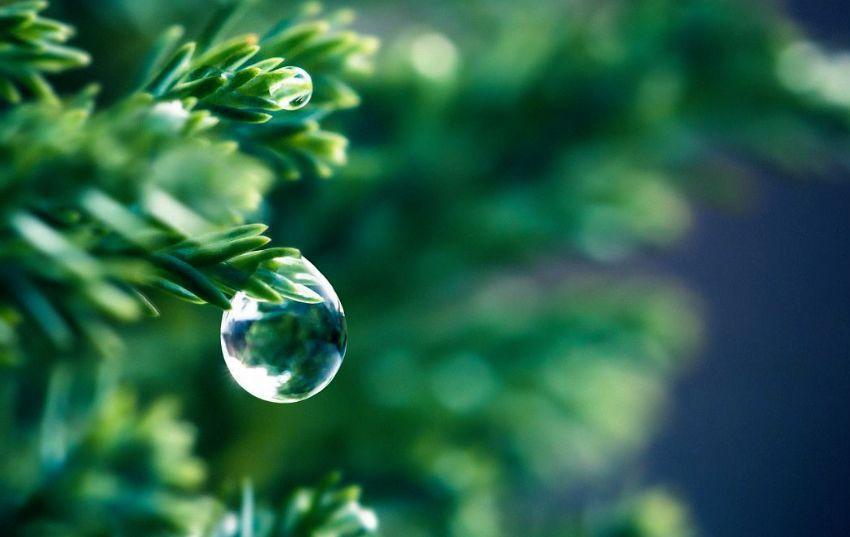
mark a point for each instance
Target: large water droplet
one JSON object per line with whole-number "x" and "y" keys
{"x": 290, "y": 351}
{"x": 294, "y": 90}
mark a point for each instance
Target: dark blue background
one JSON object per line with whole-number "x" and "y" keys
{"x": 759, "y": 435}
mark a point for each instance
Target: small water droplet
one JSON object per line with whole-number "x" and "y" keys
{"x": 295, "y": 90}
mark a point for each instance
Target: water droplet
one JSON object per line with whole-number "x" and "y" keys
{"x": 294, "y": 90}
{"x": 290, "y": 351}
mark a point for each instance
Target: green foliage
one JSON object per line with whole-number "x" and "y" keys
{"x": 99, "y": 204}
{"x": 96, "y": 463}
{"x": 327, "y": 510}
{"x": 30, "y": 46}
{"x": 512, "y": 168}
{"x": 221, "y": 80}
{"x": 649, "y": 514}
{"x": 154, "y": 189}
{"x": 515, "y": 164}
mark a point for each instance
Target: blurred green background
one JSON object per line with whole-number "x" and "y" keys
{"x": 500, "y": 238}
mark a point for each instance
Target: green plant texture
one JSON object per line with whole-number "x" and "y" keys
{"x": 103, "y": 205}
{"x": 491, "y": 232}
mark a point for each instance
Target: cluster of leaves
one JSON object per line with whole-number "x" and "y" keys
{"x": 98, "y": 205}
{"x": 327, "y": 509}
{"x": 221, "y": 80}
{"x": 503, "y": 158}
{"x": 153, "y": 191}
{"x": 30, "y": 46}
{"x": 95, "y": 463}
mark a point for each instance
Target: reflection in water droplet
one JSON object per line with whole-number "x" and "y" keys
{"x": 290, "y": 351}
{"x": 295, "y": 90}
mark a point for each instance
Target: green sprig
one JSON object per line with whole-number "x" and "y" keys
{"x": 155, "y": 189}
{"x": 30, "y": 46}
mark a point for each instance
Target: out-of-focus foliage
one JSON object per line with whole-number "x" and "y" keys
{"x": 512, "y": 164}
{"x": 96, "y": 463}
{"x": 650, "y": 514}
{"x": 512, "y": 161}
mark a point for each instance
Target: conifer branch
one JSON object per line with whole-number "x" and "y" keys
{"x": 30, "y": 47}
{"x": 99, "y": 205}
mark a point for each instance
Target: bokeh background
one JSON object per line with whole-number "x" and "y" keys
{"x": 760, "y": 430}
{"x": 593, "y": 259}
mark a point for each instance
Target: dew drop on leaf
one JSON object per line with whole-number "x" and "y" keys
{"x": 289, "y": 351}
{"x": 295, "y": 90}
